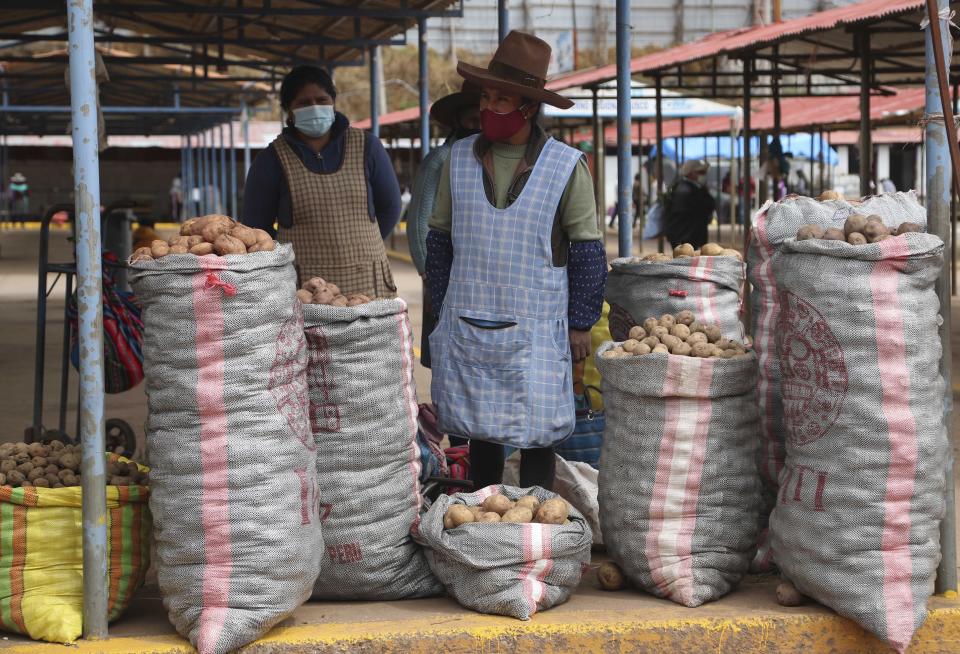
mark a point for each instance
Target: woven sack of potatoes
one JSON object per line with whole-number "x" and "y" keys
{"x": 679, "y": 490}
{"x": 710, "y": 286}
{"x": 772, "y": 226}
{"x": 234, "y": 495}
{"x": 363, "y": 415}
{"x": 856, "y": 525}
{"x": 506, "y": 568}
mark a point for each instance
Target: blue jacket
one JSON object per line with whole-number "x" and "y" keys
{"x": 266, "y": 197}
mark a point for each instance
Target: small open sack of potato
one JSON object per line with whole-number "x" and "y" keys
{"x": 56, "y": 465}
{"x": 213, "y": 234}
{"x": 528, "y": 559}
{"x": 682, "y": 335}
{"x": 686, "y": 251}
{"x": 319, "y": 291}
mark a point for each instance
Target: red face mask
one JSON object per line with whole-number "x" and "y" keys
{"x": 500, "y": 127}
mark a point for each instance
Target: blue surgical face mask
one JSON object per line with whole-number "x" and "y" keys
{"x": 314, "y": 120}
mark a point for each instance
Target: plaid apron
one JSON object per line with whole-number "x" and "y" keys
{"x": 332, "y": 234}
{"x": 501, "y": 368}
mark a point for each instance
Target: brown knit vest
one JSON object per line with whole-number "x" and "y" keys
{"x": 332, "y": 234}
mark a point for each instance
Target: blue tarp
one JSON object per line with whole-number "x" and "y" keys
{"x": 705, "y": 147}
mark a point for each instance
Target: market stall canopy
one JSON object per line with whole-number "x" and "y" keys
{"x": 818, "y": 54}
{"x": 643, "y": 104}
{"x": 797, "y": 146}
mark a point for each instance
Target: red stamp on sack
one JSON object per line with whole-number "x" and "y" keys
{"x": 289, "y": 389}
{"x": 345, "y": 554}
{"x": 324, "y": 415}
{"x": 814, "y": 375}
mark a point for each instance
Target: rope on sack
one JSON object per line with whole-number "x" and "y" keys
{"x": 213, "y": 281}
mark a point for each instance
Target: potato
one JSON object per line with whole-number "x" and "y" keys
{"x": 660, "y": 331}
{"x": 643, "y": 348}
{"x": 177, "y": 240}
{"x": 314, "y": 284}
{"x": 907, "y": 228}
{"x": 683, "y": 250}
{"x": 829, "y": 195}
{"x": 56, "y": 446}
{"x": 323, "y": 296}
{"x": 70, "y": 461}
{"x": 7, "y": 465}
{"x": 357, "y": 300}
{"x": 681, "y": 349}
{"x": 52, "y": 478}
{"x": 212, "y": 232}
{"x": 333, "y": 288}
{"x": 518, "y": 515}
{"x": 22, "y": 457}
{"x": 488, "y": 517}
{"x": 498, "y": 504}
{"x": 667, "y": 320}
{"x": 875, "y": 229}
{"x": 649, "y": 324}
{"x": 834, "y": 234}
{"x": 697, "y": 337}
{"x": 41, "y": 482}
{"x": 727, "y": 354}
{"x": 201, "y": 249}
{"x": 856, "y": 238}
{"x": 724, "y": 343}
{"x": 262, "y": 235}
{"x": 120, "y": 481}
{"x": 225, "y": 244}
{"x": 3, "y": 479}
{"x": 809, "y": 231}
{"x": 729, "y": 252}
{"x": 39, "y": 462}
{"x": 179, "y": 248}
{"x": 651, "y": 341}
{"x": 35, "y": 473}
{"x": 877, "y": 239}
{"x": 71, "y": 480}
{"x": 609, "y": 354}
{"x": 680, "y": 331}
{"x": 671, "y": 341}
{"x": 194, "y": 240}
{"x": 702, "y": 350}
{"x": 305, "y": 296}
{"x": 339, "y": 301}
{"x": 25, "y": 468}
{"x": 610, "y": 576}
{"x": 620, "y": 351}
{"x": 631, "y": 345}
{"x": 263, "y": 246}
{"x": 553, "y": 512}
{"x": 159, "y": 249}
{"x": 244, "y": 234}
{"x": 15, "y": 478}
{"x": 638, "y": 333}
{"x": 186, "y": 228}
{"x": 711, "y": 250}
{"x": 712, "y": 332}
{"x": 788, "y": 595}
{"x": 663, "y": 349}
{"x": 531, "y": 502}
{"x": 855, "y": 223}
{"x": 686, "y": 317}
{"x": 457, "y": 515}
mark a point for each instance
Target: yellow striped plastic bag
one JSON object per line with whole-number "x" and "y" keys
{"x": 591, "y": 376}
{"x": 41, "y": 557}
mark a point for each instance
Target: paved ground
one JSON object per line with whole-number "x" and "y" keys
{"x": 593, "y": 621}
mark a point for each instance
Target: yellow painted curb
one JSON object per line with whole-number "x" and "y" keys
{"x": 593, "y": 632}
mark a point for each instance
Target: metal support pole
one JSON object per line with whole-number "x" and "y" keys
{"x": 812, "y": 159}
{"x": 223, "y": 171}
{"x": 624, "y": 136}
{"x": 245, "y": 126}
{"x": 201, "y": 174}
{"x": 233, "y": 175}
{"x": 424, "y": 89}
{"x": 214, "y": 172}
{"x": 866, "y": 146}
{"x": 762, "y": 159}
{"x": 599, "y": 156}
{"x": 747, "y": 164}
{"x": 719, "y": 186}
{"x": 658, "y": 105}
{"x": 939, "y": 178}
{"x": 375, "y": 91}
{"x": 187, "y": 178}
{"x": 86, "y": 175}
{"x": 822, "y": 156}
{"x": 211, "y": 172}
{"x": 503, "y": 19}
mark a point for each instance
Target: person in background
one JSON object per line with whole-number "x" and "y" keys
{"x": 19, "y": 197}
{"x": 516, "y": 269}
{"x": 331, "y": 189}
{"x": 887, "y": 185}
{"x": 460, "y": 114}
{"x": 803, "y": 187}
{"x": 176, "y": 200}
{"x": 689, "y": 205}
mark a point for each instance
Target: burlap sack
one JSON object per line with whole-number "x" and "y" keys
{"x": 774, "y": 224}
{"x": 708, "y": 286}
{"x": 679, "y": 488}
{"x": 856, "y": 525}
{"x": 233, "y": 477}
{"x": 363, "y": 413}
{"x": 506, "y": 569}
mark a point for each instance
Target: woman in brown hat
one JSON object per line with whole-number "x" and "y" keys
{"x": 515, "y": 260}
{"x": 460, "y": 113}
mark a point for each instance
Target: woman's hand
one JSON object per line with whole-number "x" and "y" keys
{"x": 579, "y": 344}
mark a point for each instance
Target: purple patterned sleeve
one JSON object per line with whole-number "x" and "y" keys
{"x": 438, "y": 265}
{"x": 587, "y": 277}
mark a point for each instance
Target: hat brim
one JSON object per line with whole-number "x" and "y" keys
{"x": 445, "y": 110}
{"x": 483, "y": 77}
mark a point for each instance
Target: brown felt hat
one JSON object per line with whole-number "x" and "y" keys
{"x": 445, "y": 110}
{"x": 518, "y": 66}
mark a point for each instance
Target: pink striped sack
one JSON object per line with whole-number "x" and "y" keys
{"x": 679, "y": 488}
{"x": 856, "y": 524}
{"x": 504, "y": 568}
{"x": 234, "y": 492}
{"x": 363, "y": 414}
{"x": 708, "y": 286}
{"x": 774, "y": 224}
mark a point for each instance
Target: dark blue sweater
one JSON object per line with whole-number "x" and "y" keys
{"x": 266, "y": 197}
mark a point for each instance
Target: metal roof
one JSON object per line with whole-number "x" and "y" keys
{"x": 821, "y": 48}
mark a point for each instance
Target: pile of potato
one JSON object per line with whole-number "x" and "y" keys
{"x": 678, "y": 334}
{"x": 500, "y": 508}
{"x": 213, "y": 234}
{"x": 857, "y": 230}
{"x": 56, "y": 465}
{"x": 320, "y": 291}
{"x": 686, "y": 250}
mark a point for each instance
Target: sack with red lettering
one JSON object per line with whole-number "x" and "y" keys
{"x": 512, "y": 569}
{"x": 772, "y": 226}
{"x": 679, "y": 488}
{"x": 708, "y": 286}
{"x": 233, "y": 487}
{"x": 363, "y": 412}
{"x": 856, "y": 524}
